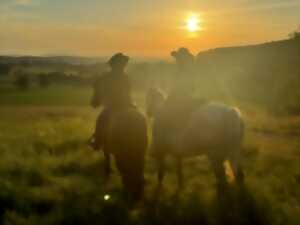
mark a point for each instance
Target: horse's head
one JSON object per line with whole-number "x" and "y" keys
{"x": 154, "y": 101}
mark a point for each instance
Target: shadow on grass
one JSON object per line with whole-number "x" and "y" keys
{"x": 59, "y": 205}
{"x": 237, "y": 206}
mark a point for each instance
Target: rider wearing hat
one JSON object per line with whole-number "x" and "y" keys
{"x": 181, "y": 101}
{"x": 182, "y": 82}
{"x": 112, "y": 91}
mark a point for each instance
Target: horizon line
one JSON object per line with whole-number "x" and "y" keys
{"x": 134, "y": 56}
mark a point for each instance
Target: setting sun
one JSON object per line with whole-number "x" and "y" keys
{"x": 193, "y": 23}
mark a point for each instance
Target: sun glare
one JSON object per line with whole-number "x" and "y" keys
{"x": 193, "y": 23}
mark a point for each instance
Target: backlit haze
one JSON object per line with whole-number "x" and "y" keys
{"x": 139, "y": 27}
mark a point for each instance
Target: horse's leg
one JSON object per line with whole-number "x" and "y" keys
{"x": 179, "y": 171}
{"x": 107, "y": 166}
{"x": 236, "y": 165}
{"x": 219, "y": 170}
{"x": 161, "y": 169}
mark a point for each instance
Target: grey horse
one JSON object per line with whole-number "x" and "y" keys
{"x": 212, "y": 129}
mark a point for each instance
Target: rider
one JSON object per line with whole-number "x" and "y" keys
{"x": 181, "y": 102}
{"x": 113, "y": 92}
{"x": 182, "y": 84}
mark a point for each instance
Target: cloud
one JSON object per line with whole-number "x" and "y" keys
{"x": 256, "y": 6}
{"x": 24, "y": 2}
{"x": 12, "y": 11}
{"x": 278, "y": 5}
{"x": 11, "y": 5}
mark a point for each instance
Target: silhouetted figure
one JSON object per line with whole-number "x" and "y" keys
{"x": 121, "y": 130}
{"x": 185, "y": 126}
{"x": 180, "y": 99}
{"x": 180, "y": 102}
{"x": 184, "y": 73}
{"x": 113, "y": 92}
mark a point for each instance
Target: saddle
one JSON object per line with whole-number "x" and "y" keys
{"x": 178, "y": 110}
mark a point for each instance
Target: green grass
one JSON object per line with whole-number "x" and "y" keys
{"x": 48, "y": 175}
{"x": 52, "y": 96}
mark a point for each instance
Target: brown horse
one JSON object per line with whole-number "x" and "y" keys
{"x": 126, "y": 140}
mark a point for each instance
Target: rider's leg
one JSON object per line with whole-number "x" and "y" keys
{"x": 101, "y": 125}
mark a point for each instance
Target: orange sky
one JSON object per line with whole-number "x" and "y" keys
{"x": 96, "y": 28}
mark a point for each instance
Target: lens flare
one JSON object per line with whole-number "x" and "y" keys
{"x": 106, "y": 197}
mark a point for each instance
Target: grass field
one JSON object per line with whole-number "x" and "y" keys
{"x": 48, "y": 175}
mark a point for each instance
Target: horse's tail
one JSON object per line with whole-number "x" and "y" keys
{"x": 236, "y": 159}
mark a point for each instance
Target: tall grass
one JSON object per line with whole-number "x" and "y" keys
{"x": 48, "y": 175}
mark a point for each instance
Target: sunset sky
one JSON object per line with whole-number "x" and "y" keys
{"x": 139, "y": 27}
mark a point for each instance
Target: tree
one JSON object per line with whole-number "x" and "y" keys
{"x": 43, "y": 80}
{"x": 22, "y": 81}
{"x": 4, "y": 69}
{"x": 296, "y": 34}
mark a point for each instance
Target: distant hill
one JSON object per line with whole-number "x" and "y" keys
{"x": 282, "y": 55}
{"x": 74, "y": 60}
{"x": 268, "y": 74}
{"x": 242, "y": 55}
{"x": 71, "y": 60}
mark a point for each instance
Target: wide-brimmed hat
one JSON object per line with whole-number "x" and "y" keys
{"x": 182, "y": 54}
{"x": 118, "y": 58}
